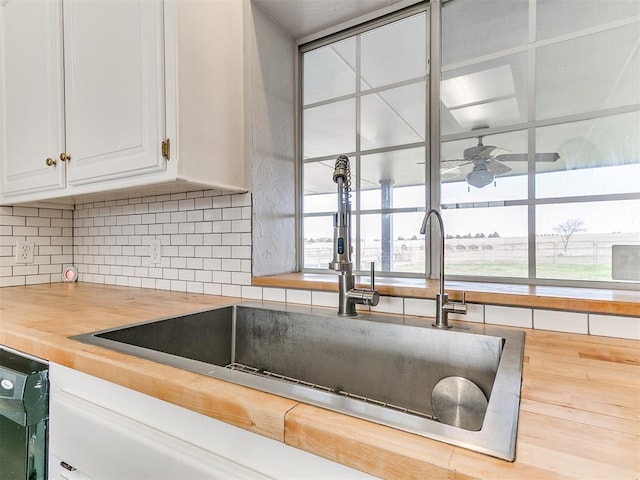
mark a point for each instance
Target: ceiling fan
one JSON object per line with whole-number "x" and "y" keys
{"x": 486, "y": 166}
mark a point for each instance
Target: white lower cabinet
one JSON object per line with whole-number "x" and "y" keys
{"x": 99, "y": 430}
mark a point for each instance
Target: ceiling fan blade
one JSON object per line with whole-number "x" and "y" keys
{"x": 523, "y": 157}
{"x": 486, "y": 151}
{"x": 498, "y": 168}
{"x": 547, "y": 157}
{"x": 454, "y": 167}
{"x": 445, "y": 171}
{"x": 454, "y": 160}
{"x": 478, "y": 151}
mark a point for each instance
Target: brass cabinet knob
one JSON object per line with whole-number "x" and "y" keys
{"x": 64, "y": 157}
{"x": 50, "y": 162}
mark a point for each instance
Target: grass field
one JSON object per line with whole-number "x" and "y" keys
{"x": 588, "y": 256}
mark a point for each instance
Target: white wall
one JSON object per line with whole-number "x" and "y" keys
{"x": 270, "y": 129}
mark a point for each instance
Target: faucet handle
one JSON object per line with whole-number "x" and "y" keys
{"x": 457, "y": 307}
{"x": 373, "y": 275}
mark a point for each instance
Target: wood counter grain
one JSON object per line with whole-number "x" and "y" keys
{"x": 579, "y": 414}
{"x": 591, "y": 300}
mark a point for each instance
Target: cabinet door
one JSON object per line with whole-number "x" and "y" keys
{"x": 31, "y": 96}
{"x": 114, "y": 89}
{"x": 107, "y": 431}
{"x": 103, "y": 444}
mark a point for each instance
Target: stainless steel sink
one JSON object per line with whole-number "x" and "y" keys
{"x": 380, "y": 368}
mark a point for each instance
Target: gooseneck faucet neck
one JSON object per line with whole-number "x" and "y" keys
{"x": 423, "y": 230}
{"x": 349, "y": 296}
{"x": 443, "y": 305}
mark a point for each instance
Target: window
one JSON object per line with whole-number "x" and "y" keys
{"x": 364, "y": 95}
{"x": 540, "y": 126}
{"x": 539, "y": 168}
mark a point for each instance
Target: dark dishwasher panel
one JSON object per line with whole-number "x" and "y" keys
{"x": 24, "y": 410}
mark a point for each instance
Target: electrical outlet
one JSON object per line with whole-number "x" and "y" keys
{"x": 155, "y": 251}
{"x": 24, "y": 251}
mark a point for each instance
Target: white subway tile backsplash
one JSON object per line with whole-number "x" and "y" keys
{"x": 212, "y": 289}
{"x": 324, "y": 299}
{"x": 253, "y": 293}
{"x": 12, "y": 281}
{"x": 242, "y": 200}
{"x": 186, "y": 275}
{"x": 508, "y": 316}
{"x": 241, "y": 226}
{"x": 188, "y": 204}
{"x": 195, "y": 216}
{"x": 559, "y": 321}
{"x": 206, "y": 248}
{"x": 231, "y": 290}
{"x": 29, "y": 231}
{"x": 203, "y": 276}
{"x": 298, "y": 296}
{"x": 389, "y": 305}
{"x": 25, "y": 211}
{"x": 195, "y": 263}
{"x": 212, "y": 215}
{"x": 221, "y": 277}
{"x": 38, "y": 222}
{"x": 178, "y": 217}
{"x": 232, "y": 213}
{"x": 222, "y": 201}
{"x": 178, "y": 286}
{"x": 614, "y": 326}
{"x": 232, "y": 264}
{"x": 274, "y": 294}
{"x": 241, "y": 252}
{"x": 15, "y": 221}
{"x": 170, "y": 206}
{"x": 420, "y": 307}
{"x": 203, "y": 203}
{"x": 35, "y": 279}
{"x": 221, "y": 226}
{"x": 475, "y": 313}
{"x": 195, "y": 287}
{"x": 47, "y": 228}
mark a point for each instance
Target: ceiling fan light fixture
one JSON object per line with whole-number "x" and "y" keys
{"x": 480, "y": 177}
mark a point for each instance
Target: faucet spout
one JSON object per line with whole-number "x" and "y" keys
{"x": 443, "y": 305}
{"x": 349, "y": 296}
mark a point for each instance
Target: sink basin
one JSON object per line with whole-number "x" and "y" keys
{"x": 380, "y": 368}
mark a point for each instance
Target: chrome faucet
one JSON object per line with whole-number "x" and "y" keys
{"x": 349, "y": 296}
{"x": 443, "y": 305}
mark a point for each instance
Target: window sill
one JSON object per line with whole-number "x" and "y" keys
{"x": 591, "y": 300}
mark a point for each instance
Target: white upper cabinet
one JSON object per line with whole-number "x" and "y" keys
{"x": 91, "y": 91}
{"x": 114, "y": 92}
{"x": 31, "y": 96}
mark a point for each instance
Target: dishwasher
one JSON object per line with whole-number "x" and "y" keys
{"x": 24, "y": 413}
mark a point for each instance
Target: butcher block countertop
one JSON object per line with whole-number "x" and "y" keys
{"x": 579, "y": 413}
{"x": 591, "y": 300}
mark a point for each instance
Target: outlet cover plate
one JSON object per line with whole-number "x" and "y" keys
{"x": 155, "y": 251}
{"x": 24, "y": 251}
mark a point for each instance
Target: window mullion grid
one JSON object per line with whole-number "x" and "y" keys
{"x": 356, "y": 216}
{"x": 531, "y": 144}
{"x": 434, "y": 140}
